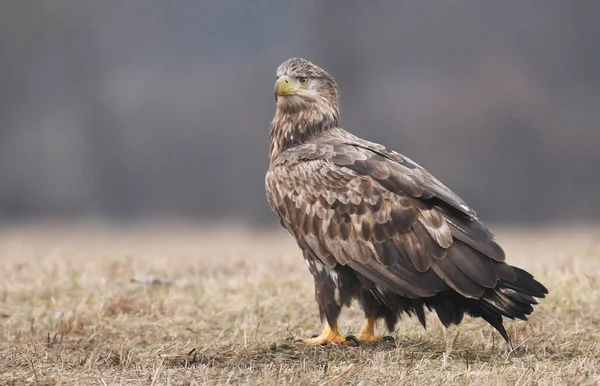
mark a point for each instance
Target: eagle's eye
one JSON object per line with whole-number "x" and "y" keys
{"x": 303, "y": 80}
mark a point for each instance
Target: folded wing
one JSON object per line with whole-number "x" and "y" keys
{"x": 385, "y": 217}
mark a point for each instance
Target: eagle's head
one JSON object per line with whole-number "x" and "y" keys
{"x": 303, "y": 86}
{"x": 307, "y": 104}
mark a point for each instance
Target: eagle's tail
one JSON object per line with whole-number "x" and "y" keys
{"x": 512, "y": 299}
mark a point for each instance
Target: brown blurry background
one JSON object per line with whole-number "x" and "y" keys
{"x": 143, "y": 109}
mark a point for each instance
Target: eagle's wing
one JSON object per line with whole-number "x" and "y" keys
{"x": 411, "y": 177}
{"x": 386, "y": 218}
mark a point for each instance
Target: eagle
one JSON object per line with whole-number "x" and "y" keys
{"x": 376, "y": 227}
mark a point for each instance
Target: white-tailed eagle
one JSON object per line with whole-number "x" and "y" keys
{"x": 376, "y": 227}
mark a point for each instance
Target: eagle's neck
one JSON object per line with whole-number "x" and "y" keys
{"x": 293, "y": 128}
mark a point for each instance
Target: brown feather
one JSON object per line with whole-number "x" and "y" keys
{"x": 391, "y": 258}
{"x": 476, "y": 266}
{"x": 333, "y": 230}
{"x": 436, "y": 226}
{"x": 307, "y": 225}
{"x": 457, "y": 279}
{"x": 403, "y": 216}
{"x": 384, "y": 278}
{"x": 301, "y": 214}
{"x": 489, "y": 248}
{"x": 366, "y": 230}
{"x": 346, "y": 230}
{"x": 505, "y": 271}
{"x": 379, "y": 233}
{"x": 428, "y": 245}
{"x": 409, "y": 244}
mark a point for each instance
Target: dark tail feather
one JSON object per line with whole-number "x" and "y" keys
{"x": 525, "y": 283}
{"x": 494, "y": 319}
{"x": 512, "y": 299}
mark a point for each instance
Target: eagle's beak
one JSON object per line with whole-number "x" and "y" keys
{"x": 284, "y": 86}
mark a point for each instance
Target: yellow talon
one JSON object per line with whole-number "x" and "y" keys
{"x": 367, "y": 338}
{"x": 367, "y": 333}
{"x": 329, "y": 335}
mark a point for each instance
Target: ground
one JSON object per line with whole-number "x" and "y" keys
{"x": 177, "y": 304}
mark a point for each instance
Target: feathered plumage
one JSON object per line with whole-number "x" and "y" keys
{"x": 375, "y": 226}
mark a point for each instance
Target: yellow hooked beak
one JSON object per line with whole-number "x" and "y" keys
{"x": 286, "y": 86}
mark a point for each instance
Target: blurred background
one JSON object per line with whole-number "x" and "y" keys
{"x": 145, "y": 109}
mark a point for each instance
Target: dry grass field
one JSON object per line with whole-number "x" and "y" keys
{"x": 176, "y": 305}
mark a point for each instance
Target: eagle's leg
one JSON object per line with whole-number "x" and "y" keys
{"x": 374, "y": 310}
{"x": 330, "y": 334}
{"x": 367, "y": 333}
{"x": 331, "y": 295}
